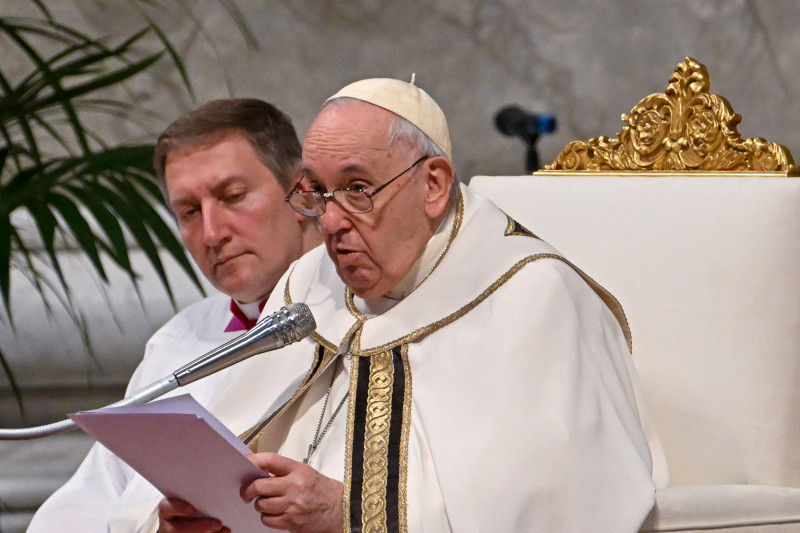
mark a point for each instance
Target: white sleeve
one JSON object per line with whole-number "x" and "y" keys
{"x": 105, "y": 489}
{"x": 85, "y": 502}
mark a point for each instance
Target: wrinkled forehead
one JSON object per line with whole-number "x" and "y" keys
{"x": 349, "y": 137}
{"x": 354, "y": 125}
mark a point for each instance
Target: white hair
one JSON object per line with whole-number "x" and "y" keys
{"x": 401, "y": 130}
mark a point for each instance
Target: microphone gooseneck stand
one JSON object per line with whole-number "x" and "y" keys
{"x": 287, "y": 325}
{"x": 515, "y": 121}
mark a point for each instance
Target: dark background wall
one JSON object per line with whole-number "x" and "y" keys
{"x": 586, "y": 61}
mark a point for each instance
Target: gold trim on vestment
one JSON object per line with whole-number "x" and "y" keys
{"x": 609, "y": 299}
{"x": 405, "y": 436}
{"x": 287, "y": 300}
{"x": 430, "y": 328}
{"x": 512, "y": 229}
{"x": 348, "y": 445}
{"x": 377, "y": 428}
{"x": 376, "y": 442}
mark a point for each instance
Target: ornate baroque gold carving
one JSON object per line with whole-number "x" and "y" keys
{"x": 376, "y": 442}
{"x": 686, "y": 128}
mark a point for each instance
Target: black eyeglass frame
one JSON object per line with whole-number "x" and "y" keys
{"x": 331, "y": 195}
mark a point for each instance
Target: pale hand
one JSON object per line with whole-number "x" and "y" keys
{"x": 296, "y": 497}
{"x": 178, "y": 516}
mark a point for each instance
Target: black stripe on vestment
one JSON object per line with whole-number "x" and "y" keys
{"x": 359, "y": 427}
{"x": 394, "y": 445}
{"x": 317, "y": 363}
{"x": 395, "y": 435}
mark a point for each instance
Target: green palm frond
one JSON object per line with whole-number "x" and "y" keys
{"x": 71, "y": 186}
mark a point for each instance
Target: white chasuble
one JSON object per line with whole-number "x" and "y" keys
{"x": 498, "y": 395}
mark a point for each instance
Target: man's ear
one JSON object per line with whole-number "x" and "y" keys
{"x": 440, "y": 178}
{"x": 298, "y": 183}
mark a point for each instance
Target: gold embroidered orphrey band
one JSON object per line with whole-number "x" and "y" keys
{"x": 685, "y": 128}
{"x": 378, "y": 429}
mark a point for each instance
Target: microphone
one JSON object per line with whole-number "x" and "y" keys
{"x": 515, "y": 121}
{"x": 285, "y": 326}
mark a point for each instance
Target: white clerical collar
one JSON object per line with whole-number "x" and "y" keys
{"x": 251, "y": 310}
{"x": 420, "y": 270}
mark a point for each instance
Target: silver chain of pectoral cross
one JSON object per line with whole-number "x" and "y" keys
{"x": 319, "y": 436}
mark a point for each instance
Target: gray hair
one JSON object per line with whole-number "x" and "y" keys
{"x": 401, "y": 130}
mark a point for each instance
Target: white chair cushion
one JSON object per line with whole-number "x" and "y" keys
{"x": 736, "y": 508}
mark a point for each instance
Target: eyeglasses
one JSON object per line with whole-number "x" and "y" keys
{"x": 352, "y": 199}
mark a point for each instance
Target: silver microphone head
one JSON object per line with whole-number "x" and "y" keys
{"x": 303, "y": 319}
{"x": 284, "y": 326}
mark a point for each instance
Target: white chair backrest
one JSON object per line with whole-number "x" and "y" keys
{"x": 697, "y": 233}
{"x": 708, "y": 272}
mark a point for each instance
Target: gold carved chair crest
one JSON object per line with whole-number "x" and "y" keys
{"x": 685, "y": 128}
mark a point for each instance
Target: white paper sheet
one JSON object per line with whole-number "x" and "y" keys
{"x": 185, "y": 452}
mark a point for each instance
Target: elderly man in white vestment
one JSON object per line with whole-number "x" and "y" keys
{"x": 225, "y": 169}
{"x": 463, "y": 375}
